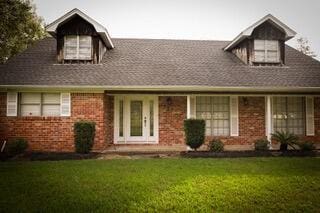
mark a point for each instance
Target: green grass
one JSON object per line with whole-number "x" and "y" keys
{"x": 144, "y": 185}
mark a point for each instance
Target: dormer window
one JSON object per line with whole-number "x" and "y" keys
{"x": 266, "y": 51}
{"x": 77, "y": 47}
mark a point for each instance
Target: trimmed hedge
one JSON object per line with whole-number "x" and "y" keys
{"x": 194, "y": 132}
{"x": 216, "y": 145}
{"x": 306, "y": 145}
{"x": 16, "y": 146}
{"x": 84, "y": 132}
{"x": 261, "y": 144}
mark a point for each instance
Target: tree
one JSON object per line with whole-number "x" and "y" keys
{"x": 20, "y": 27}
{"x": 303, "y": 46}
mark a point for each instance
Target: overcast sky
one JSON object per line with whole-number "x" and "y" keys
{"x": 190, "y": 19}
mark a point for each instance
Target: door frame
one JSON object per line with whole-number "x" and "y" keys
{"x": 126, "y": 138}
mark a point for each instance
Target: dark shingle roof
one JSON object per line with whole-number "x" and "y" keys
{"x": 149, "y": 62}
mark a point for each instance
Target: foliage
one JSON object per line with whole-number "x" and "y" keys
{"x": 20, "y": 27}
{"x": 261, "y": 144}
{"x": 304, "y": 47}
{"x": 194, "y": 132}
{"x": 16, "y": 146}
{"x": 285, "y": 139}
{"x": 306, "y": 145}
{"x": 84, "y": 132}
{"x": 216, "y": 145}
{"x": 162, "y": 185}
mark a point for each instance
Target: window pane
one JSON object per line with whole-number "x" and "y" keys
{"x": 51, "y": 110}
{"x": 259, "y": 45}
{"x": 259, "y": 55}
{"x": 289, "y": 114}
{"x": 30, "y": 98}
{"x": 272, "y": 56}
{"x": 216, "y": 112}
{"x": 30, "y": 110}
{"x": 272, "y": 45}
{"x": 70, "y": 47}
{"x": 121, "y": 118}
{"x": 51, "y": 98}
{"x": 84, "y": 47}
{"x": 136, "y": 118}
{"x": 151, "y": 119}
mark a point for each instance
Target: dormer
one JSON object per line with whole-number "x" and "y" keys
{"x": 80, "y": 39}
{"x": 263, "y": 43}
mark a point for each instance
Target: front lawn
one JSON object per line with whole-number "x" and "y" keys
{"x": 208, "y": 185}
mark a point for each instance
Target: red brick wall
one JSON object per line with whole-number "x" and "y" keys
{"x": 251, "y": 122}
{"x": 109, "y": 120}
{"x": 171, "y": 119}
{"x": 56, "y": 133}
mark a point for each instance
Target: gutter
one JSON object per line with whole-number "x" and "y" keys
{"x": 182, "y": 88}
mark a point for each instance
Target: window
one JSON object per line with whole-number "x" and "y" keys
{"x": 216, "y": 113}
{"x": 266, "y": 51}
{"x": 40, "y": 104}
{"x": 289, "y": 114}
{"x": 77, "y": 47}
{"x": 121, "y": 118}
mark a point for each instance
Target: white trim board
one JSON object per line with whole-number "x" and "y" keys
{"x": 126, "y": 139}
{"x": 180, "y": 88}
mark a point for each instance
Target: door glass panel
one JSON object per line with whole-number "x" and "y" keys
{"x": 121, "y": 118}
{"x": 136, "y": 118}
{"x": 151, "y": 119}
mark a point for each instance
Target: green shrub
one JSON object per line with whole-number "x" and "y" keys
{"x": 84, "y": 132}
{"x": 16, "y": 146}
{"x": 306, "y": 145}
{"x": 285, "y": 139}
{"x": 261, "y": 144}
{"x": 194, "y": 132}
{"x": 216, "y": 145}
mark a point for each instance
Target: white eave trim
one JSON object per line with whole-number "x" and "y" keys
{"x": 248, "y": 31}
{"x": 181, "y": 88}
{"x": 101, "y": 30}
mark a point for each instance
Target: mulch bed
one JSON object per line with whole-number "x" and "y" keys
{"x": 250, "y": 153}
{"x": 48, "y": 156}
{"x": 56, "y": 156}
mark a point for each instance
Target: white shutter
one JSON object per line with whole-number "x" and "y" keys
{"x": 192, "y": 107}
{"x": 65, "y": 104}
{"x": 234, "y": 118}
{"x": 309, "y": 116}
{"x": 12, "y": 103}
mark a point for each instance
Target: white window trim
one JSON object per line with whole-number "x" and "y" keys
{"x": 78, "y": 48}
{"x": 266, "y": 52}
{"x": 41, "y": 103}
{"x": 229, "y": 96}
{"x": 271, "y": 119}
{"x": 124, "y": 139}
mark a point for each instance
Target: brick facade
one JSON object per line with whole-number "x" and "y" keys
{"x": 172, "y": 112}
{"x": 56, "y": 133}
{"x": 251, "y": 122}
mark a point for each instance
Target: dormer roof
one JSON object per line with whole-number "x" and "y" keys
{"x": 289, "y": 33}
{"x": 101, "y": 30}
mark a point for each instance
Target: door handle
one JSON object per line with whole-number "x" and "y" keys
{"x": 145, "y": 121}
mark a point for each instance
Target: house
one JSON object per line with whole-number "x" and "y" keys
{"x": 139, "y": 91}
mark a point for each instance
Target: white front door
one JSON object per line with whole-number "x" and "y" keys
{"x": 136, "y": 119}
